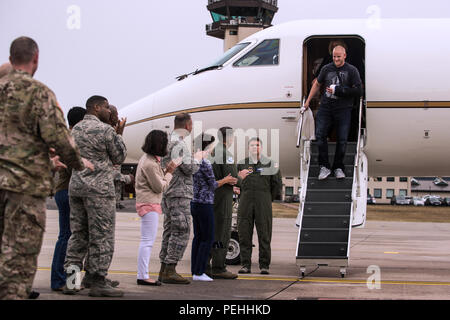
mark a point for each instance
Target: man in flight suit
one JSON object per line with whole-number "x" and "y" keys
{"x": 262, "y": 186}
{"x": 223, "y": 164}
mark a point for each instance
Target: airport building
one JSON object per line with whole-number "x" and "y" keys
{"x": 421, "y": 186}
{"x": 384, "y": 188}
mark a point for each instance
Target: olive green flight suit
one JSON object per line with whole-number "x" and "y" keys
{"x": 223, "y": 164}
{"x": 258, "y": 190}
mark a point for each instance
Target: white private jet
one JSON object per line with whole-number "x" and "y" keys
{"x": 400, "y": 127}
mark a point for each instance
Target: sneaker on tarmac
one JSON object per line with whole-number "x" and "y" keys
{"x": 339, "y": 174}
{"x": 264, "y": 271}
{"x": 324, "y": 173}
{"x": 245, "y": 270}
{"x": 203, "y": 277}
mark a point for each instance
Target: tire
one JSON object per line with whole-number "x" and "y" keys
{"x": 233, "y": 255}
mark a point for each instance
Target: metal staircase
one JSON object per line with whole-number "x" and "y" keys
{"x": 329, "y": 208}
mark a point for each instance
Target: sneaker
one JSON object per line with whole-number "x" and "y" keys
{"x": 264, "y": 271}
{"x": 203, "y": 277}
{"x": 339, "y": 174}
{"x": 245, "y": 270}
{"x": 324, "y": 173}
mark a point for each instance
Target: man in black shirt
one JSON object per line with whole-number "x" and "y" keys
{"x": 343, "y": 84}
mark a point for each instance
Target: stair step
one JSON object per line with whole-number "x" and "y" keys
{"x": 321, "y": 258}
{"x": 327, "y": 208}
{"x": 325, "y": 221}
{"x": 351, "y": 147}
{"x": 315, "y": 183}
{"x": 315, "y": 169}
{"x": 329, "y": 195}
{"x": 349, "y": 159}
{"x": 322, "y": 249}
{"x": 324, "y": 235}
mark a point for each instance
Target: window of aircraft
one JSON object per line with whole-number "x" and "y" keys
{"x": 266, "y": 53}
{"x": 230, "y": 53}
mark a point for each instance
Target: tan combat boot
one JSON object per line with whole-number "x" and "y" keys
{"x": 100, "y": 288}
{"x": 161, "y": 271}
{"x": 171, "y": 276}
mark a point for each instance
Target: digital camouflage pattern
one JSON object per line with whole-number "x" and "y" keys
{"x": 31, "y": 122}
{"x": 177, "y": 227}
{"x": 176, "y": 200}
{"x": 119, "y": 180}
{"x": 181, "y": 185}
{"x": 100, "y": 144}
{"x": 92, "y": 222}
{"x": 92, "y": 196}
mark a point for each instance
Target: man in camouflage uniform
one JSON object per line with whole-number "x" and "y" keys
{"x": 92, "y": 197}
{"x": 176, "y": 201}
{"x": 5, "y": 69}
{"x": 119, "y": 178}
{"x": 260, "y": 188}
{"x": 31, "y": 122}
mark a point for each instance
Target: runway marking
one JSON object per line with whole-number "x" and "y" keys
{"x": 391, "y": 252}
{"x": 287, "y": 279}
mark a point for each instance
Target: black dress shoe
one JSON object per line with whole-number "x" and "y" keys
{"x": 33, "y": 295}
{"x": 146, "y": 283}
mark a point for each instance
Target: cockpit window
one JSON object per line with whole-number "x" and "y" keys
{"x": 266, "y": 53}
{"x": 230, "y": 53}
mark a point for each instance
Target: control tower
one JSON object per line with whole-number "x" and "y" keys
{"x": 234, "y": 20}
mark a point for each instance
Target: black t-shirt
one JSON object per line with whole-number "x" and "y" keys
{"x": 347, "y": 81}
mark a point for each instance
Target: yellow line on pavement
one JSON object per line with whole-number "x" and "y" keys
{"x": 287, "y": 279}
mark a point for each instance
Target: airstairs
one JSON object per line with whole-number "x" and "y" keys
{"x": 328, "y": 209}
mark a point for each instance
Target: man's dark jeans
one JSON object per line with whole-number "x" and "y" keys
{"x": 341, "y": 119}
{"x": 58, "y": 275}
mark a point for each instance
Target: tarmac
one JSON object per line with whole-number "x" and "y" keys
{"x": 388, "y": 261}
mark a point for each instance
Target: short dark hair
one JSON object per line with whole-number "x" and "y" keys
{"x": 75, "y": 115}
{"x": 155, "y": 143}
{"x": 203, "y": 140}
{"x": 181, "y": 120}
{"x": 255, "y": 139}
{"x": 224, "y": 133}
{"x": 22, "y": 50}
{"x": 93, "y": 101}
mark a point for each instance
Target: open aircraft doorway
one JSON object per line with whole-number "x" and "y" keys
{"x": 317, "y": 52}
{"x": 328, "y": 209}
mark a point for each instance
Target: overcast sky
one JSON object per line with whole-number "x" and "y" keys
{"x": 125, "y": 50}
